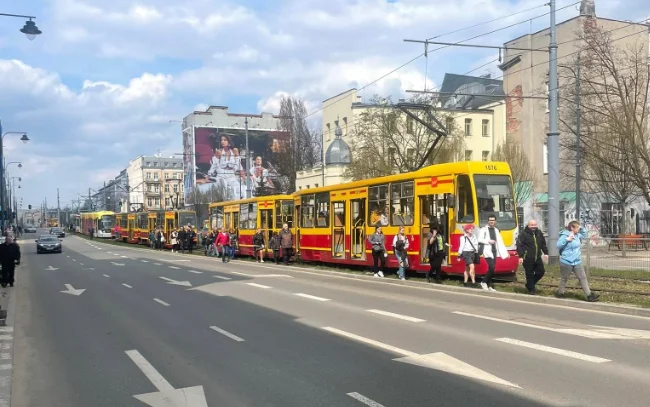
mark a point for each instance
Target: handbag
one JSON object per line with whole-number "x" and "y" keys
{"x": 477, "y": 257}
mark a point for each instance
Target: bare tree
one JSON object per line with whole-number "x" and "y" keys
{"x": 386, "y": 141}
{"x": 200, "y": 200}
{"x": 615, "y": 102}
{"x": 523, "y": 173}
{"x": 302, "y": 149}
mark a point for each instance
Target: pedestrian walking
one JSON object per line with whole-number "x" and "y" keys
{"x": 286, "y": 243}
{"x": 400, "y": 249}
{"x": 181, "y": 236}
{"x": 223, "y": 244}
{"x": 274, "y": 244}
{"x": 9, "y": 259}
{"x": 174, "y": 237}
{"x": 493, "y": 248}
{"x": 378, "y": 242}
{"x": 569, "y": 245}
{"x": 233, "y": 242}
{"x": 436, "y": 252}
{"x": 468, "y": 253}
{"x": 532, "y": 251}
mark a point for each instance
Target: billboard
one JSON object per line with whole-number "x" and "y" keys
{"x": 216, "y": 156}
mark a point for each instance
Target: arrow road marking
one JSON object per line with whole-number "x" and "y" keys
{"x": 161, "y": 302}
{"x": 70, "y": 290}
{"x": 117, "y": 264}
{"x": 166, "y": 396}
{"x": 50, "y": 268}
{"x": 365, "y": 400}
{"x": 174, "y": 282}
{"x": 226, "y": 333}
{"x": 561, "y": 352}
{"x": 438, "y": 361}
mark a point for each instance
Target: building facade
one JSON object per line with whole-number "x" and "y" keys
{"x": 113, "y": 195}
{"x": 155, "y": 183}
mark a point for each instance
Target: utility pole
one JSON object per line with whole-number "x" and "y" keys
{"x": 553, "y": 144}
{"x": 578, "y": 146}
{"x": 58, "y": 207}
{"x": 90, "y": 202}
{"x": 247, "y": 160}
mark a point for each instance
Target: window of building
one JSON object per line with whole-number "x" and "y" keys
{"x": 401, "y": 204}
{"x": 150, "y": 201}
{"x": 323, "y": 209}
{"x": 157, "y": 201}
{"x": 148, "y": 175}
{"x": 468, "y": 155}
{"x": 485, "y": 155}
{"x": 378, "y": 205}
{"x": 409, "y": 125}
{"x": 175, "y": 187}
{"x": 485, "y": 128}
{"x": 168, "y": 202}
{"x": 328, "y": 131}
{"x": 468, "y": 127}
{"x": 316, "y": 185}
{"x": 174, "y": 175}
{"x": 465, "y": 204}
{"x": 308, "y": 209}
{"x": 450, "y": 125}
{"x": 545, "y": 159}
{"x": 148, "y": 163}
{"x": 391, "y": 157}
{"x": 155, "y": 163}
{"x": 166, "y": 175}
{"x": 166, "y": 188}
{"x": 156, "y": 189}
{"x": 166, "y": 164}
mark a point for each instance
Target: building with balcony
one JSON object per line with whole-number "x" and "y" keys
{"x": 155, "y": 182}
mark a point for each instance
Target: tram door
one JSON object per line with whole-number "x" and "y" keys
{"x": 169, "y": 226}
{"x": 266, "y": 217}
{"x": 433, "y": 210}
{"x": 131, "y": 227}
{"x": 297, "y": 222}
{"x": 358, "y": 229}
{"x": 338, "y": 230}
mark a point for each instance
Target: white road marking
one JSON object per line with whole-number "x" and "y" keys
{"x": 5, "y": 346}
{"x": 6, "y": 328}
{"x": 6, "y": 337}
{"x": 585, "y": 333}
{"x": 170, "y": 281}
{"x": 372, "y": 342}
{"x": 126, "y": 285}
{"x": 5, "y": 356}
{"x": 243, "y": 274}
{"x": 312, "y": 297}
{"x": 161, "y": 302}
{"x": 561, "y": 352}
{"x": 145, "y": 261}
{"x": 222, "y": 277}
{"x": 106, "y": 275}
{"x": 5, "y": 367}
{"x": 74, "y": 260}
{"x": 115, "y": 254}
{"x": 124, "y": 257}
{"x": 365, "y": 400}
{"x": 81, "y": 264}
{"x": 194, "y": 271}
{"x": 157, "y": 264}
{"x": 226, "y": 333}
{"x": 258, "y": 285}
{"x": 152, "y": 374}
{"x": 174, "y": 267}
{"x": 67, "y": 255}
{"x": 69, "y": 289}
{"x": 260, "y": 275}
{"x": 393, "y": 315}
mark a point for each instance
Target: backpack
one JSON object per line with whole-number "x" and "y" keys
{"x": 399, "y": 245}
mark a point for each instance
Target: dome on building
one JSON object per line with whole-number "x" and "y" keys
{"x": 338, "y": 153}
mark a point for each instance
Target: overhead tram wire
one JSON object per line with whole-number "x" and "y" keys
{"x": 437, "y": 49}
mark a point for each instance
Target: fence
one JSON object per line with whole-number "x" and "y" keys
{"x": 617, "y": 254}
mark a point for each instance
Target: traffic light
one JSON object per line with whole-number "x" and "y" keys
{"x": 30, "y": 207}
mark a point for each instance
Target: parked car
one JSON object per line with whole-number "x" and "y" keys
{"x": 48, "y": 244}
{"x": 58, "y": 232}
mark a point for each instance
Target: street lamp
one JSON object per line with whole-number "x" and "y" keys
{"x": 24, "y": 139}
{"x": 29, "y": 29}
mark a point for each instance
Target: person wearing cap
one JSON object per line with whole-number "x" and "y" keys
{"x": 468, "y": 253}
{"x": 9, "y": 258}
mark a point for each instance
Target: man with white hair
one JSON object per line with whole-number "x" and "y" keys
{"x": 9, "y": 258}
{"x": 531, "y": 247}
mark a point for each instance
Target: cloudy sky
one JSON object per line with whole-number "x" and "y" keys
{"x": 102, "y": 83}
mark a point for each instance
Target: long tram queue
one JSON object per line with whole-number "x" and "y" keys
{"x": 332, "y": 224}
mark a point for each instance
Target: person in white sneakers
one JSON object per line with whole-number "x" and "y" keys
{"x": 378, "y": 242}
{"x": 489, "y": 238}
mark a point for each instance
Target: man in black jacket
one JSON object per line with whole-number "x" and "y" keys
{"x": 531, "y": 246}
{"x": 9, "y": 258}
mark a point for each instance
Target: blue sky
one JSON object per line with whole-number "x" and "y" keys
{"x": 99, "y": 87}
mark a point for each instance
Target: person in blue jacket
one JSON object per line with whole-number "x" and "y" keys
{"x": 569, "y": 246}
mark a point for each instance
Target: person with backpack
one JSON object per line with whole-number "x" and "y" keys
{"x": 378, "y": 242}
{"x": 436, "y": 253}
{"x": 468, "y": 253}
{"x": 400, "y": 248}
{"x": 491, "y": 246}
{"x": 569, "y": 245}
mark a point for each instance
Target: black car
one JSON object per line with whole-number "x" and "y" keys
{"x": 58, "y": 232}
{"x": 48, "y": 244}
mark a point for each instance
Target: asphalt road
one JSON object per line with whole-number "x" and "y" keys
{"x": 205, "y": 333}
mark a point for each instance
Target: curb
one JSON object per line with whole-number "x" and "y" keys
{"x": 606, "y": 307}
{"x": 7, "y": 348}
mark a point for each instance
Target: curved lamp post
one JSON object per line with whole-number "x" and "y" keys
{"x": 29, "y": 29}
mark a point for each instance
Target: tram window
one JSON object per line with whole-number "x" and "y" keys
{"x": 465, "y": 206}
{"x": 278, "y": 214}
{"x": 377, "y": 205}
{"x": 124, "y": 222}
{"x": 339, "y": 214}
{"x": 322, "y": 209}
{"x": 243, "y": 220}
{"x": 308, "y": 208}
{"x": 283, "y": 213}
{"x": 401, "y": 199}
{"x": 219, "y": 217}
{"x": 252, "y": 216}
